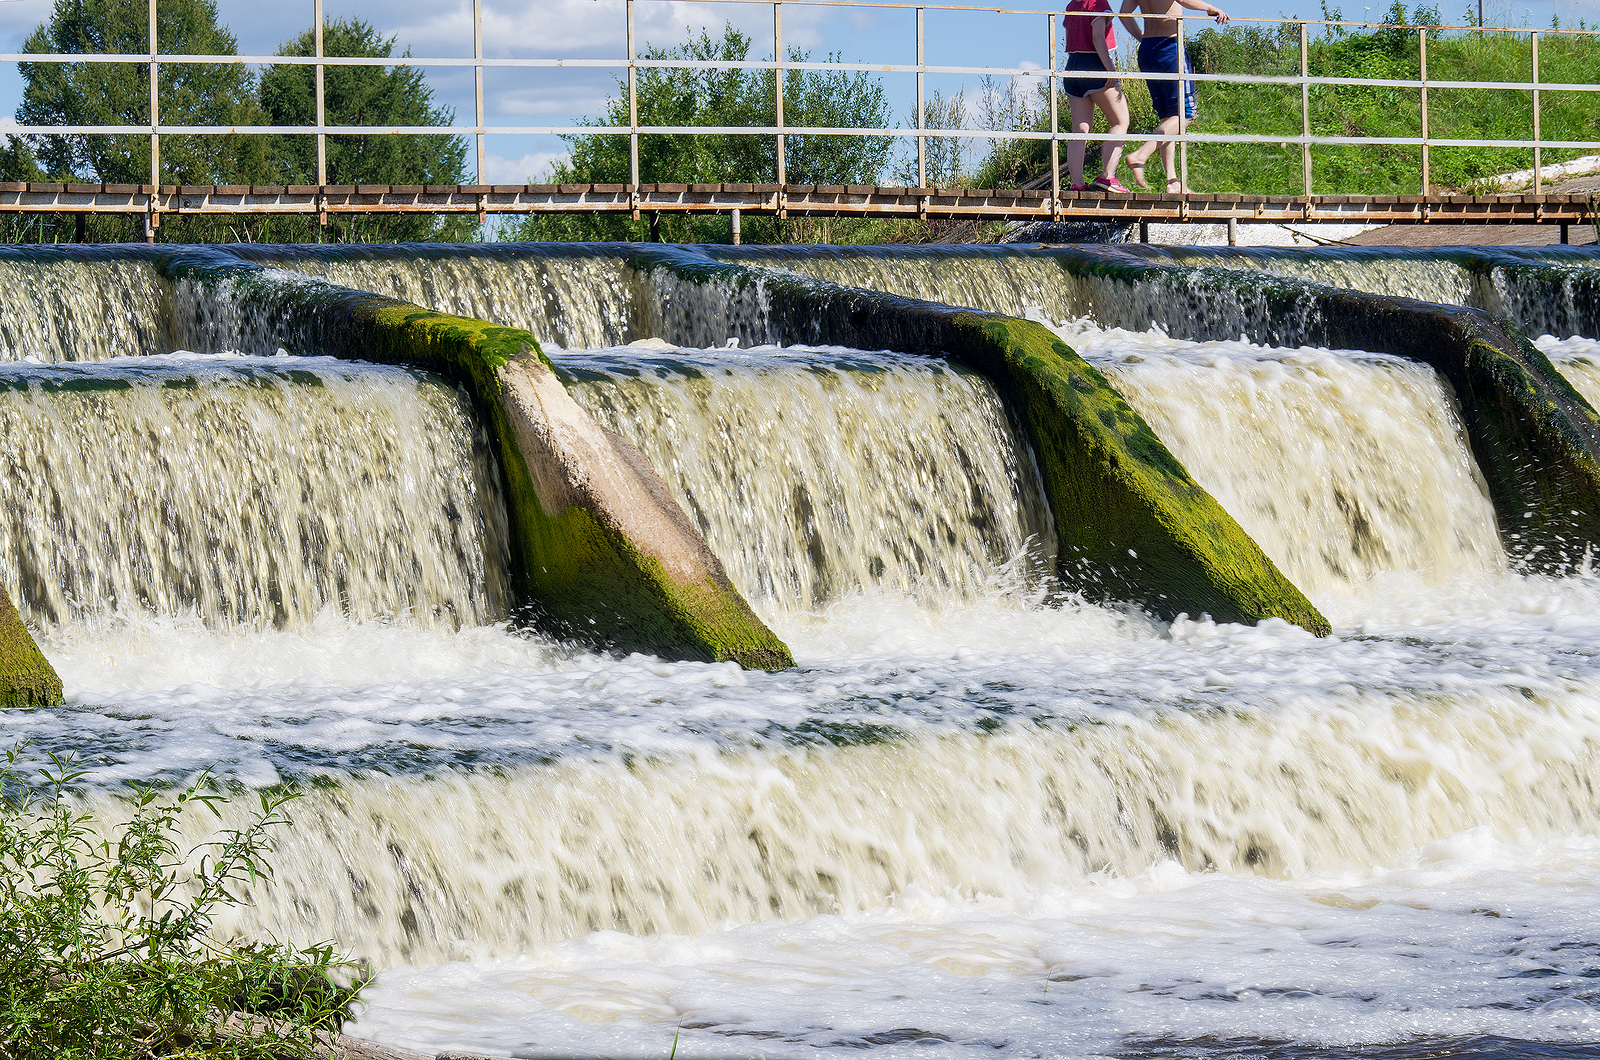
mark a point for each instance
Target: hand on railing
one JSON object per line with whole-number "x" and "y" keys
{"x": 1210, "y": 9}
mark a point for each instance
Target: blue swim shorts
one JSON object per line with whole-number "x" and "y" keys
{"x": 1159, "y": 55}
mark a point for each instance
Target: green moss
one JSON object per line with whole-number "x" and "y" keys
{"x": 1131, "y": 522}
{"x": 588, "y": 581}
{"x": 26, "y": 677}
{"x": 580, "y": 577}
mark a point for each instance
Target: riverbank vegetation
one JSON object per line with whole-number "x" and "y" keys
{"x": 1392, "y": 53}
{"x": 729, "y": 98}
{"x": 106, "y": 946}
{"x": 227, "y": 95}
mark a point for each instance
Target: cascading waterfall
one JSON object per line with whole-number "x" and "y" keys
{"x": 54, "y": 309}
{"x": 979, "y": 816}
{"x": 1546, "y": 299}
{"x": 816, "y": 473}
{"x": 684, "y": 844}
{"x": 1215, "y": 302}
{"x": 246, "y": 491}
{"x": 1218, "y": 292}
{"x": 1543, "y": 295}
{"x": 813, "y": 473}
{"x": 1579, "y": 361}
{"x": 983, "y": 278}
{"x": 570, "y": 300}
{"x": 1436, "y": 279}
{"x": 1342, "y": 466}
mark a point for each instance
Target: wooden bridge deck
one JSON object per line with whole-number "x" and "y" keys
{"x": 979, "y": 204}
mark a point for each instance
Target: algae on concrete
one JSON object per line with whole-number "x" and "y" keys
{"x": 601, "y": 552}
{"x": 1130, "y": 521}
{"x": 604, "y": 552}
{"x": 26, "y": 677}
{"x": 1534, "y": 438}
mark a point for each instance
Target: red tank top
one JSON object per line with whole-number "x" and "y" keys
{"x": 1080, "y": 35}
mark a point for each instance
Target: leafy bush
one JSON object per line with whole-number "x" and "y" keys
{"x": 105, "y": 945}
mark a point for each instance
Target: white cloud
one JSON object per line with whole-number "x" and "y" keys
{"x": 531, "y": 168}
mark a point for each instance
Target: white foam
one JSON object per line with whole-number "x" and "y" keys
{"x": 1469, "y": 935}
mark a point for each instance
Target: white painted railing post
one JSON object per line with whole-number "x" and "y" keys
{"x": 922, "y": 141}
{"x": 1055, "y": 127}
{"x": 633, "y": 119}
{"x": 1305, "y": 110}
{"x": 152, "y": 217}
{"x": 777, "y": 99}
{"x": 322, "y": 114}
{"x": 477, "y": 81}
{"x": 1538, "y": 177}
{"x": 1422, "y": 75}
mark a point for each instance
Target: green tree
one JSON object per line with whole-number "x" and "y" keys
{"x": 727, "y": 98}
{"x": 119, "y": 94}
{"x": 361, "y": 95}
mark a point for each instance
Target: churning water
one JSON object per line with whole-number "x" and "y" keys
{"x": 981, "y": 817}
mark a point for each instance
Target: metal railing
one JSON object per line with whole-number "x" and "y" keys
{"x": 780, "y": 64}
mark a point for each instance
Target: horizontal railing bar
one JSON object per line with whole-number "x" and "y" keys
{"x": 759, "y": 130}
{"x": 751, "y": 130}
{"x": 133, "y": 192}
{"x": 1010, "y": 71}
{"x": 1196, "y": 17}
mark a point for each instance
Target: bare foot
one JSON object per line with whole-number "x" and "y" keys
{"x": 1137, "y": 169}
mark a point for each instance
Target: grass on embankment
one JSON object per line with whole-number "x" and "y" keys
{"x": 106, "y": 948}
{"x": 1356, "y": 110}
{"x": 1351, "y": 110}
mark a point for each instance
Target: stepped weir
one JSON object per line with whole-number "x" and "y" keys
{"x": 1114, "y": 651}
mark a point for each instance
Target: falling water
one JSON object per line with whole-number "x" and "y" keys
{"x": 567, "y": 299}
{"x": 247, "y": 491}
{"x": 817, "y": 472}
{"x": 1342, "y": 466}
{"x": 61, "y": 309}
{"x": 973, "y": 819}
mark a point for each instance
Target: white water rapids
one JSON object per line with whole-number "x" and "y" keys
{"x": 979, "y": 818}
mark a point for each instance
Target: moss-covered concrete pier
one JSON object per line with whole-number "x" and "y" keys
{"x": 1131, "y": 523}
{"x": 604, "y": 550}
{"x": 601, "y": 552}
{"x": 26, "y": 677}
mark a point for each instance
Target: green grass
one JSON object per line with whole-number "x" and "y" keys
{"x": 1366, "y": 169}
{"x": 106, "y": 951}
{"x": 1373, "y": 111}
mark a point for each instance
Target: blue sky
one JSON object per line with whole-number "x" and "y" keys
{"x": 595, "y": 28}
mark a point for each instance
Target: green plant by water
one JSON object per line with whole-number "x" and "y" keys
{"x": 106, "y": 947}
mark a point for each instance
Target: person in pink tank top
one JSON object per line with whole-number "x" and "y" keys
{"x": 1090, "y": 42}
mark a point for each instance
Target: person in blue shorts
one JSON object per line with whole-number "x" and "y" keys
{"x": 1158, "y": 54}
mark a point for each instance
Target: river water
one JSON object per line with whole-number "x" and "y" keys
{"x": 981, "y": 817}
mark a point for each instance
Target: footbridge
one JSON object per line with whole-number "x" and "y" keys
{"x": 1311, "y": 199}
{"x": 798, "y": 200}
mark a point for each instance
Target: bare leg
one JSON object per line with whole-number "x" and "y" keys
{"x": 1168, "y": 150}
{"x": 1115, "y": 106}
{"x": 1082, "y": 122}
{"x": 1168, "y": 127}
